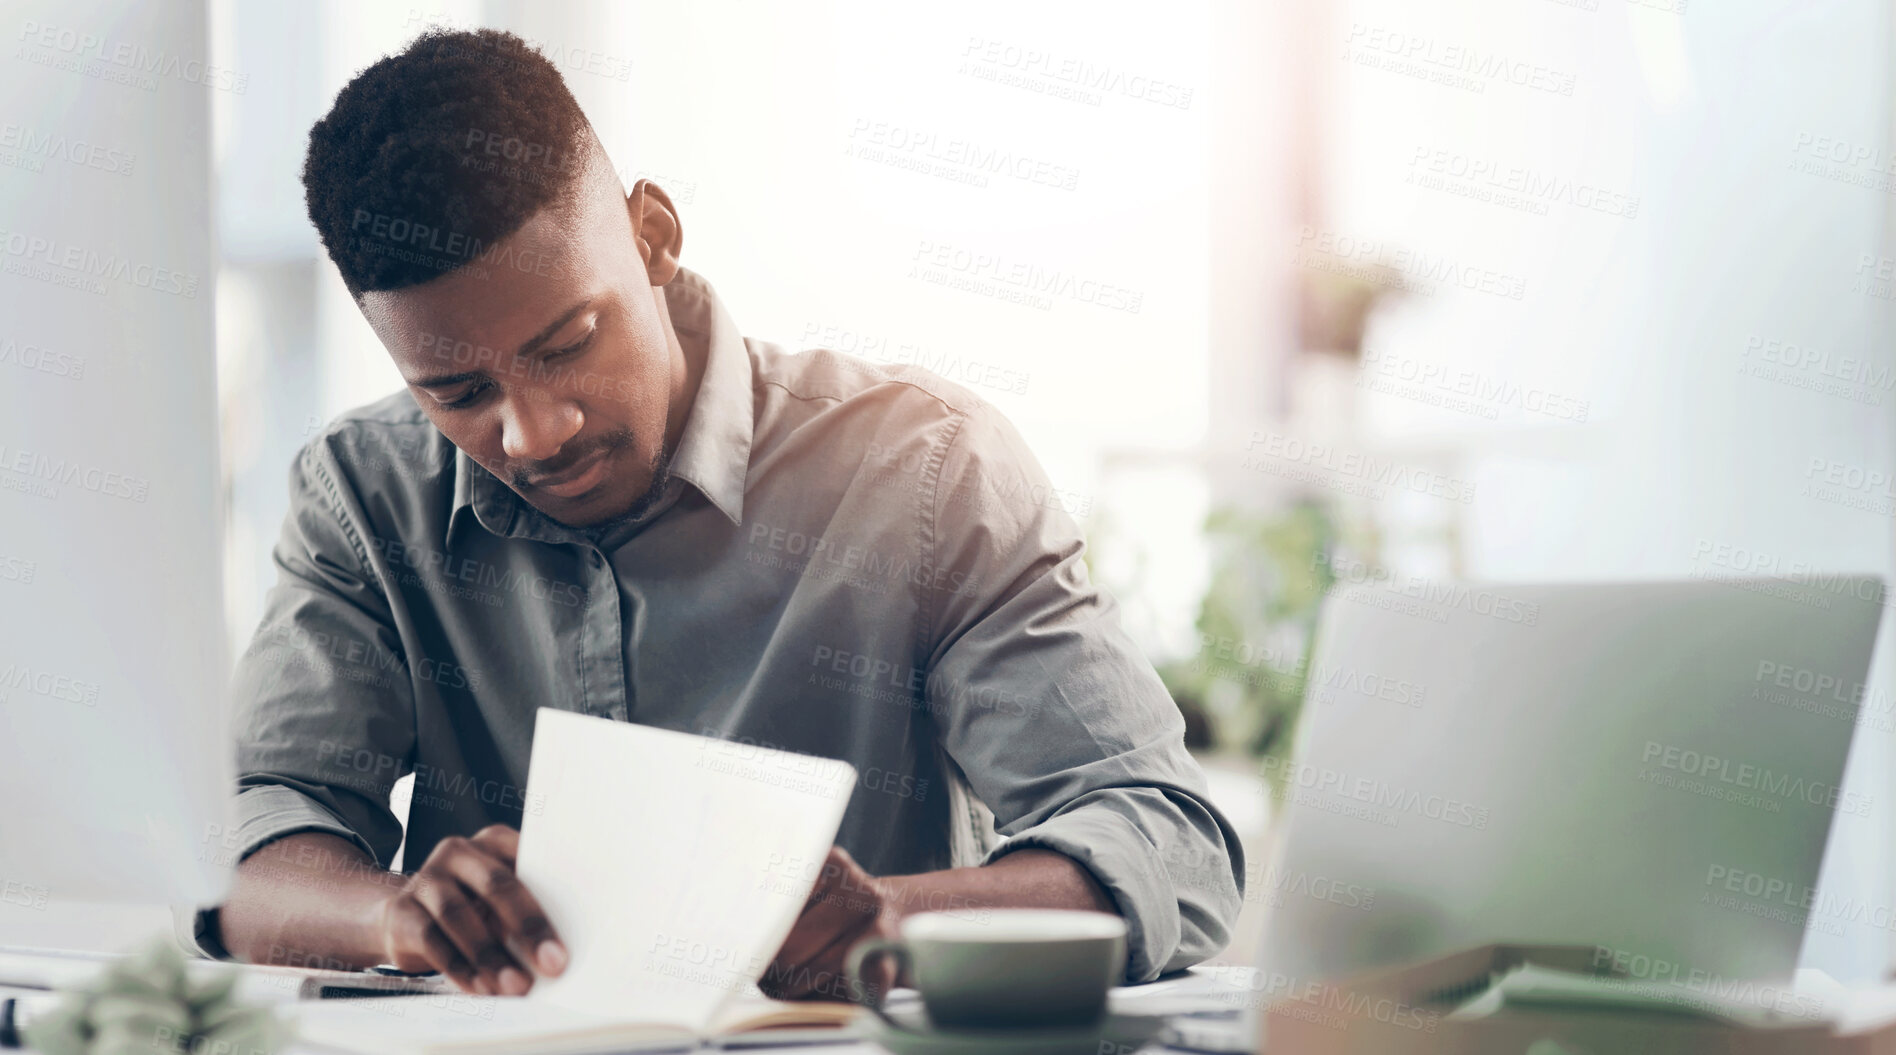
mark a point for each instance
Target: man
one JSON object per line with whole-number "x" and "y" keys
{"x": 596, "y": 495}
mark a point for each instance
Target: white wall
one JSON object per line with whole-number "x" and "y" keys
{"x": 1709, "y": 116}
{"x": 112, "y": 665}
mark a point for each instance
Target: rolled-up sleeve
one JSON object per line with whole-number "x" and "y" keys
{"x": 1061, "y": 725}
{"x": 324, "y": 713}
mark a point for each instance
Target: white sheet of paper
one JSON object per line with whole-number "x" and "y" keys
{"x": 672, "y": 865}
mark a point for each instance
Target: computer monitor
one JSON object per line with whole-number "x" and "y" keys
{"x": 115, "y": 764}
{"x": 1652, "y": 769}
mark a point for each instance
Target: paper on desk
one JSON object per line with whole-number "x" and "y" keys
{"x": 1757, "y": 1005}
{"x": 673, "y": 866}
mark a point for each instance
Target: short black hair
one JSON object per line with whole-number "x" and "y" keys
{"x": 431, "y": 155}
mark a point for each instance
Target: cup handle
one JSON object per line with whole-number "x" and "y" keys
{"x": 860, "y": 956}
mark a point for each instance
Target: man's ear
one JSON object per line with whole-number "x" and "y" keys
{"x": 655, "y": 226}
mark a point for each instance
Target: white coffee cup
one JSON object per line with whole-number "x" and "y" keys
{"x": 1006, "y": 968}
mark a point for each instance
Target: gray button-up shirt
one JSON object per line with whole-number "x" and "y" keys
{"x": 850, "y": 561}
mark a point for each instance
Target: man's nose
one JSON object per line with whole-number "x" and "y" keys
{"x": 534, "y": 427}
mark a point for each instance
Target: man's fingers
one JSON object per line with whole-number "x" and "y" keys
{"x": 447, "y": 959}
{"x": 823, "y": 974}
{"x": 522, "y": 922}
{"x": 459, "y": 917}
{"x": 843, "y": 896}
{"x": 815, "y": 930}
{"x": 418, "y": 935}
{"x": 500, "y": 840}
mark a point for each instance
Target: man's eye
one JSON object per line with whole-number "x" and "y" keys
{"x": 467, "y": 398}
{"x": 574, "y": 348}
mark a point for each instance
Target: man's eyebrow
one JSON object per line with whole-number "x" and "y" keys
{"x": 554, "y": 327}
{"x": 533, "y": 342}
{"x": 443, "y": 380}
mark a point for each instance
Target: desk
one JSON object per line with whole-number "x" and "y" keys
{"x": 1198, "y": 990}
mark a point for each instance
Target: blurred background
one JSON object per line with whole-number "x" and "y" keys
{"x": 1281, "y": 292}
{"x": 1523, "y": 290}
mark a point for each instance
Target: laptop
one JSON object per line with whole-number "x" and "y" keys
{"x": 1652, "y": 769}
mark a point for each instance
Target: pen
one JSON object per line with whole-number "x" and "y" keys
{"x": 15, "y": 1013}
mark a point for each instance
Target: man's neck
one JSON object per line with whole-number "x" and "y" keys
{"x": 689, "y": 357}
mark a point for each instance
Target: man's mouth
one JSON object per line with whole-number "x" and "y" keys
{"x": 577, "y": 479}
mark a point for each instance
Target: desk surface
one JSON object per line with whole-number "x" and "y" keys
{"x": 1202, "y": 989}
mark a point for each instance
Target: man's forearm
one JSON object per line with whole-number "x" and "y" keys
{"x": 310, "y": 900}
{"x": 1023, "y": 879}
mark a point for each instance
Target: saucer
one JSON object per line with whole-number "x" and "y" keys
{"x": 1114, "y": 1034}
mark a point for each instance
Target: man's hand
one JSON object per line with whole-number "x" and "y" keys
{"x": 466, "y": 914}
{"x": 847, "y": 905}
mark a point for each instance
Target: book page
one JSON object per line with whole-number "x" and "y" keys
{"x": 464, "y": 1024}
{"x": 751, "y": 1012}
{"x": 672, "y": 865}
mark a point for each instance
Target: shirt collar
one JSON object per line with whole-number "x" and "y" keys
{"x": 713, "y": 453}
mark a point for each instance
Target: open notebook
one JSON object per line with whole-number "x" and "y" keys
{"x": 486, "y": 1025}
{"x": 673, "y": 867}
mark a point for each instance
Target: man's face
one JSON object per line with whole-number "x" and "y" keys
{"x": 549, "y": 359}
